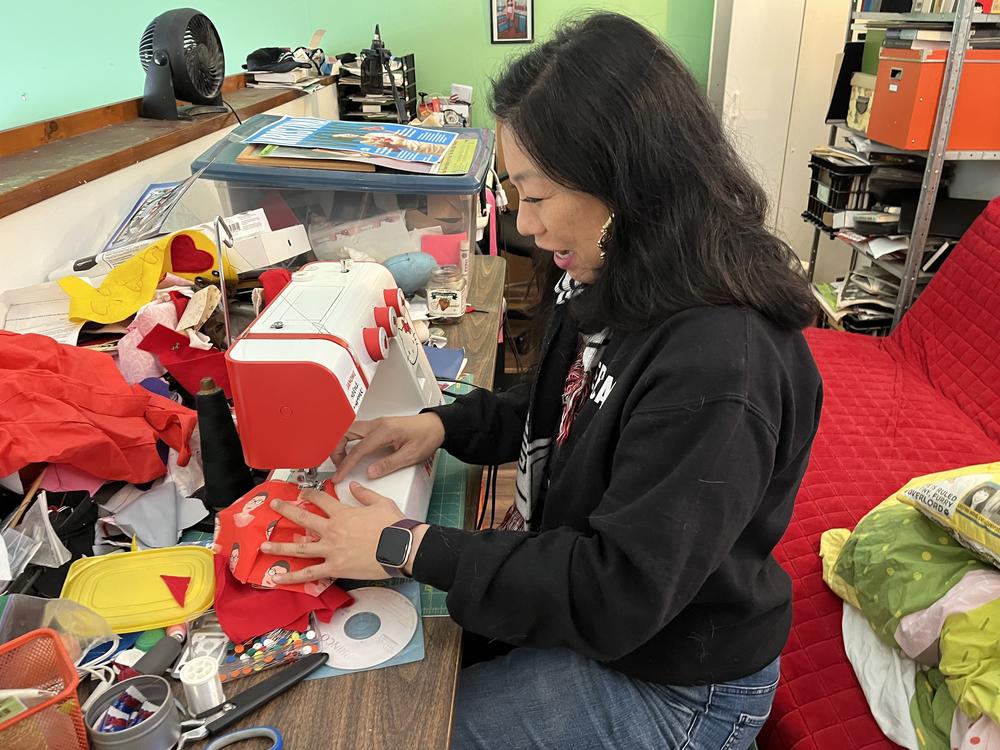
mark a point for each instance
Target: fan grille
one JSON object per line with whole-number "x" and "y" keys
{"x": 146, "y": 45}
{"x": 203, "y": 56}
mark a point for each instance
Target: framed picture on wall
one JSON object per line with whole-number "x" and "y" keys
{"x": 513, "y": 21}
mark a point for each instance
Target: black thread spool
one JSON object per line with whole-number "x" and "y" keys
{"x": 227, "y": 477}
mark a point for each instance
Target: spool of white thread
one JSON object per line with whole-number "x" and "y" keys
{"x": 202, "y": 686}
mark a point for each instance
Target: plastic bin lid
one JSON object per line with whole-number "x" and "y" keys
{"x": 220, "y": 164}
{"x": 128, "y": 590}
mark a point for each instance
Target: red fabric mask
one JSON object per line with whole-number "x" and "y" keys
{"x": 249, "y": 522}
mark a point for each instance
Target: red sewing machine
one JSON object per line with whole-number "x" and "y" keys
{"x": 336, "y": 345}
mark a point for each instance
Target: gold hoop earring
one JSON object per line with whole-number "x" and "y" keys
{"x": 605, "y": 234}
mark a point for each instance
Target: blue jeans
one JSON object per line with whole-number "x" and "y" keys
{"x": 554, "y": 698}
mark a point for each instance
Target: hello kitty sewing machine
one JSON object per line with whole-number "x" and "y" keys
{"x": 337, "y": 344}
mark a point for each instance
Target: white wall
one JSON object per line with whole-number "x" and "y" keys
{"x": 77, "y": 223}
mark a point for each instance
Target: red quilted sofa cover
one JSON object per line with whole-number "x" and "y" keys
{"x": 925, "y": 399}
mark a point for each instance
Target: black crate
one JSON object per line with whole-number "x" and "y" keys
{"x": 836, "y": 187}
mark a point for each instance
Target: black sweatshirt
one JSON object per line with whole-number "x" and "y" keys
{"x": 653, "y": 550}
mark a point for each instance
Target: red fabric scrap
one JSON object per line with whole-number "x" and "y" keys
{"x": 245, "y": 612}
{"x": 273, "y": 281}
{"x": 63, "y": 404}
{"x": 186, "y": 363}
{"x": 178, "y": 586}
{"x": 180, "y": 302}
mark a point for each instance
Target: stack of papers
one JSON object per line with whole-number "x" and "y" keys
{"x": 388, "y": 145}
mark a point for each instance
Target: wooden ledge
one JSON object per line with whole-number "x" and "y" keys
{"x": 43, "y": 159}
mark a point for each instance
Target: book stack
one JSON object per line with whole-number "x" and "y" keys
{"x": 302, "y": 79}
{"x": 982, "y": 37}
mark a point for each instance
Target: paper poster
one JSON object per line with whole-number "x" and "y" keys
{"x": 401, "y": 142}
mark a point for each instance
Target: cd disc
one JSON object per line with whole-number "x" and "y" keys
{"x": 374, "y": 629}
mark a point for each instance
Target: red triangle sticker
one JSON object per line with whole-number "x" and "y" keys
{"x": 178, "y": 586}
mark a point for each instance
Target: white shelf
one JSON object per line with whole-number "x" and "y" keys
{"x": 881, "y": 148}
{"x": 896, "y": 269}
{"x": 911, "y": 19}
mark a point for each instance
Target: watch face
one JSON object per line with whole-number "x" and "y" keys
{"x": 393, "y": 546}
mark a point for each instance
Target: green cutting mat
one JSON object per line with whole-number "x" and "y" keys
{"x": 447, "y": 508}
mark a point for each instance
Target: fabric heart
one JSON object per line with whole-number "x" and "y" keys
{"x": 186, "y": 257}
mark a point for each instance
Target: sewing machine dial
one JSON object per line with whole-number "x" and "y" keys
{"x": 407, "y": 336}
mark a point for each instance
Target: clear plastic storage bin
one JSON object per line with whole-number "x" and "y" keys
{"x": 379, "y": 214}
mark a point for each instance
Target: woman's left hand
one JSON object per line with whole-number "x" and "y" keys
{"x": 347, "y": 535}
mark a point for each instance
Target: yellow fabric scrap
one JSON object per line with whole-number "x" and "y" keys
{"x": 970, "y": 660}
{"x": 831, "y": 544}
{"x": 123, "y": 291}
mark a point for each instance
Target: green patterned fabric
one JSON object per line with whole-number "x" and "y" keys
{"x": 932, "y": 710}
{"x": 900, "y": 562}
{"x": 970, "y": 659}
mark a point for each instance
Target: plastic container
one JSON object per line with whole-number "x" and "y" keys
{"x": 38, "y": 661}
{"x": 380, "y": 214}
{"x": 446, "y": 294}
{"x": 129, "y": 591}
{"x": 836, "y": 187}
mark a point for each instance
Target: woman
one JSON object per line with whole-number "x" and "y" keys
{"x": 661, "y": 445}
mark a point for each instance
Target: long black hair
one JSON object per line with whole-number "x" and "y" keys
{"x": 606, "y": 108}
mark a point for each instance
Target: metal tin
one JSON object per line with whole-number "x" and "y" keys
{"x": 161, "y": 731}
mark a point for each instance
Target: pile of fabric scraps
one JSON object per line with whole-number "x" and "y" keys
{"x": 73, "y": 428}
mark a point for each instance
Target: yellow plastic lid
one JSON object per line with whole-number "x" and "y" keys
{"x": 127, "y": 589}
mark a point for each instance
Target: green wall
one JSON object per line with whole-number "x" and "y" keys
{"x": 89, "y": 55}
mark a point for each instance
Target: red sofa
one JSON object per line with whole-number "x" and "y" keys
{"x": 924, "y": 399}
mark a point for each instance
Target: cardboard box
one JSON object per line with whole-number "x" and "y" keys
{"x": 862, "y": 98}
{"x": 909, "y": 87}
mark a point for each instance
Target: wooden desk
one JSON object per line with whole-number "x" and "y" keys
{"x": 408, "y": 706}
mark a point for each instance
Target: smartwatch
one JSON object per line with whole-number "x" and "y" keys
{"x": 394, "y": 547}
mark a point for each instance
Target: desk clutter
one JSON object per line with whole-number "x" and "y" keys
{"x": 159, "y": 393}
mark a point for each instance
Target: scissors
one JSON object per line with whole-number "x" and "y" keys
{"x": 215, "y": 720}
{"x": 267, "y": 733}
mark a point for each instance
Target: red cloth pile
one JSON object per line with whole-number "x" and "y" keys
{"x": 62, "y": 404}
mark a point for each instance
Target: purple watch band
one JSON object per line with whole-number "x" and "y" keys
{"x": 403, "y": 523}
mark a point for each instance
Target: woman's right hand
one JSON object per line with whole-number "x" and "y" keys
{"x": 412, "y": 439}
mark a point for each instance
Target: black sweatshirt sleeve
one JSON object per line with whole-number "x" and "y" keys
{"x": 484, "y": 427}
{"x": 685, "y": 482}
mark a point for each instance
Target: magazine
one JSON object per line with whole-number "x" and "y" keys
{"x": 457, "y": 161}
{"x": 400, "y": 142}
{"x": 321, "y": 154}
{"x": 145, "y": 218}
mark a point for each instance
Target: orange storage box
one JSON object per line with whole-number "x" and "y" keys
{"x": 907, "y": 93}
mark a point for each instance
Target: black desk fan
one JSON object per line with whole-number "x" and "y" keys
{"x": 182, "y": 55}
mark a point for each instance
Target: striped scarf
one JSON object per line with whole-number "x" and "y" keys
{"x": 539, "y": 434}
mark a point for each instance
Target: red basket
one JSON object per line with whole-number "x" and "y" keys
{"x": 38, "y": 660}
